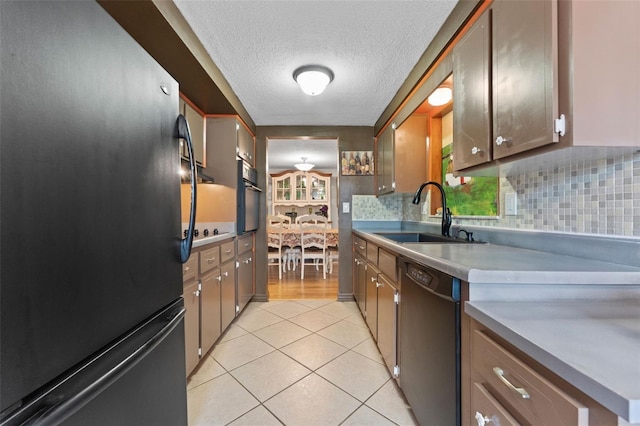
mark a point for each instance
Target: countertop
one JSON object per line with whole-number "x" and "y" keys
{"x": 578, "y": 317}
{"x": 489, "y": 263}
{"x": 595, "y": 346}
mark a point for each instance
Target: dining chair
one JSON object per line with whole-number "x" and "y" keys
{"x": 313, "y": 242}
{"x": 332, "y": 255}
{"x": 275, "y": 226}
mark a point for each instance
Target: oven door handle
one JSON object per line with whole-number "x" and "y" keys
{"x": 252, "y": 187}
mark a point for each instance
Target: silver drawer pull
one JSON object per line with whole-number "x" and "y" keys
{"x": 186, "y": 268}
{"x": 227, "y": 251}
{"x": 521, "y": 391}
{"x": 211, "y": 259}
{"x": 362, "y": 247}
{"x": 247, "y": 244}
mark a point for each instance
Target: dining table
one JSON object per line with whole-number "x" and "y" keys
{"x": 291, "y": 236}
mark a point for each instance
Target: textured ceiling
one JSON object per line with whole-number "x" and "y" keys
{"x": 371, "y": 46}
{"x": 284, "y": 153}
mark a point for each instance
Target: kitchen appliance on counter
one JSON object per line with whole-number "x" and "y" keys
{"x": 248, "y": 198}
{"x": 91, "y": 313}
{"x": 430, "y": 344}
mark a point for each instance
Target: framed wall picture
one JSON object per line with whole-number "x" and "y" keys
{"x": 356, "y": 163}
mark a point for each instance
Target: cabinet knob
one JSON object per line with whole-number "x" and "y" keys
{"x": 196, "y": 293}
{"x": 475, "y": 150}
{"x": 373, "y": 279}
{"x": 219, "y": 278}
{"x": 500, "y": 140}
{"x": 481, "y": 419}
{"x": 379, "y": 284}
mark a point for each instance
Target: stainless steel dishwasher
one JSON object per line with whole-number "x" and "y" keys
{"x": 430, "y": 344}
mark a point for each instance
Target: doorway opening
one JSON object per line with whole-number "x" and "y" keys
{"x": 293, "y": 193}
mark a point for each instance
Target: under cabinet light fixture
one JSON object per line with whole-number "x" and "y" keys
{"x": 441, "y": 96}
{"x": 304, "y": 166}
{"x": 313, "y": 79}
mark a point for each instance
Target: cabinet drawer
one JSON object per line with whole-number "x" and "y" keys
{"x": 516, "y": 385}
{"x": 190, "y": 268}
{"x": 387, "y": 264}
{"x": 227, "y": 251}
{"x": 209, "y": 259}
{"x": 360, "y": 246}
{"x": 245, "y": 243}
{"x": 484, "y": 405}
{"x": 372, "y": 253}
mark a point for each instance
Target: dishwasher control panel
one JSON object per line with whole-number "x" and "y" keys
{"x": 434, "y": 280}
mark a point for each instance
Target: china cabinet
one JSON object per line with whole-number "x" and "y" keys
{"x": 296, "y": 191}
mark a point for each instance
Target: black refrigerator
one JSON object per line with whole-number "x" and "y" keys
{"x": 91, "y": 313}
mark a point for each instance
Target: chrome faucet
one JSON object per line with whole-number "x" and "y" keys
{"x": 446, "y": 213}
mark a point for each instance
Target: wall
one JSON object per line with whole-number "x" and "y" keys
{"x": 350, "y": 138}
{"x": 593, "y": 197}
{"x": 215, "y": 203}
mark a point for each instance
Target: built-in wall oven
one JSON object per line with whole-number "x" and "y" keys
{"x": 248, "y": 198}
{"x": 430, "y": 344}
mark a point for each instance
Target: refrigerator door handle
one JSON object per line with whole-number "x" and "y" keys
{"x": 184, "y": 133}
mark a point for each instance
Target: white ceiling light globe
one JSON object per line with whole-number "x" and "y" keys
{"x": 313, "y": 79}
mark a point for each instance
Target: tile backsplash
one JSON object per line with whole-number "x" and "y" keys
{"x": 592, "y": 197}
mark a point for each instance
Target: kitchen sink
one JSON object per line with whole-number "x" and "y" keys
{"x": 419, "y": 237}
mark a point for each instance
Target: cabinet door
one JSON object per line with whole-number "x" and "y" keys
{"x": 210, "y": 310}
{"x": 245, "y": 144}
{"x": 301, "y": 187}
{"x": 385, "y": 161}
{"x": 191, "y": 325}
{"x": 359, "y": 285}
{"x": 228, "y": 293}
{"x": 319, "y": 188}
{"x": 525, "y": 78}
{"x": 245, "y": 279}
{"x": 196, "y": 127}
{"x": 372, "y": 299}
{"x": 387, "y": 322}
{"x": 471, "y": 96}
{"x": 282, "y": 188}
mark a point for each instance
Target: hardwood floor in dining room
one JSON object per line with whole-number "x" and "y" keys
{"x": 312, "y": 287}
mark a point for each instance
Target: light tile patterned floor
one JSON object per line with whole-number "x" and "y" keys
{"x": 296, "y": 362}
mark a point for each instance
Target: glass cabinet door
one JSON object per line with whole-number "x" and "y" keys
{"x": 318, "y": 188}
{"x": 283, "y": 189}
{"x": 301, "y": 187}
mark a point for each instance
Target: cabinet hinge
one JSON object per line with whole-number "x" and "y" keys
{"x": 199, "y": 351}
{"x": 237, "y": 264}
{"x": 396, "y": 371}
{"x": 237, "y": 309}
{"x": 396, "y": 298}
{"x": 559, "y": 125}
{"x": 394, "y": 126}
{"x": 393, "y": 186}
{"x": 200, "y": 285}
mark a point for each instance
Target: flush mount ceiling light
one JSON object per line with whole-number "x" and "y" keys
{"x": 304, "y": 166}
{"x": 313, "y": 79}
{"x": 440, "y": 96}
